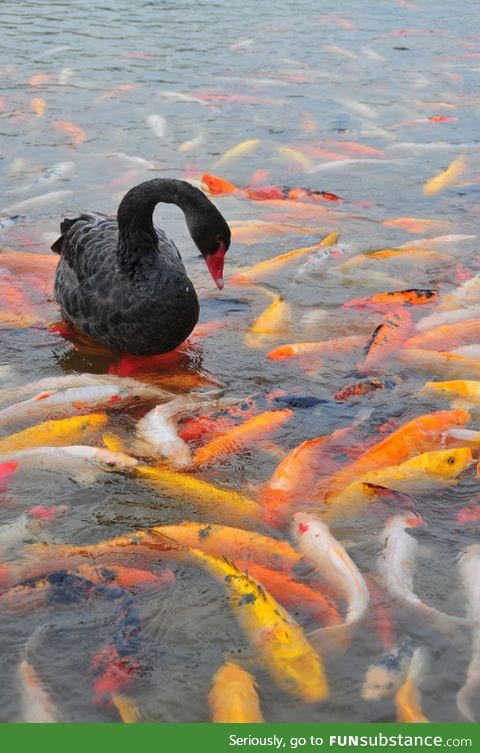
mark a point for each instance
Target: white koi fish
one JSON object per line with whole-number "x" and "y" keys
{"x": 157, "y": 433}
{"x": 469, "y": 566}
{"x": 332, "y": 562}
{"x": 27, "y": 524}
{"x": 397, "y": 567}
{"x": 36, "y": 702}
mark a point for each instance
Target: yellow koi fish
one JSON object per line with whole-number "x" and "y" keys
{"x": 233, "y": 697}
{"x": 445, "y": 178}
{"x": 266, "y": 268}
{"x": 280, "y": 642}
{"x": 274, "y": 320}
{"x": 65, "y": 431}
{"x": 239, "y": 150}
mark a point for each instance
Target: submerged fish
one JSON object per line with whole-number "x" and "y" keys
{"x": 408, "y": 698}
{"x": 445, "y": 178}
{"x": 38, "y": 202}
{"x": 233, "y": 697}
{"x": 77, "y": 134}
{"x": 295, "y": 350}
{"x": 386, "y": 675}
{"x": 239, "y": 150}
{"x": 386, "y": 339}
{"x": 36, "y": 702}
{"x": 414, "y": 297}
{"x": 469, "y": 566}
{"x": 27, "y": 524}
{"x": 397, "y": 567}
{"x": 157, "y": 433}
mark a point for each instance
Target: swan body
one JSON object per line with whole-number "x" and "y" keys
{"x": 122, "y": 281}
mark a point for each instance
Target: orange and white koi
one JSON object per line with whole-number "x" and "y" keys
{"x": 332, "y": 562}
{"x": 445, "y": 178}
{"x": 157, "y": 433}
{"x": 297, "y": 350}
{"x": 241, "y": 436}
{"x": 386, "y": 339}
{"x": 233, "y": 697}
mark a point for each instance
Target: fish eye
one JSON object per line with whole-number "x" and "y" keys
{"x": 450, "y": 460}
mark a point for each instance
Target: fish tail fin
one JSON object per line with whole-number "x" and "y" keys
{"x": 419, "y": 664}
{"x": 334, "y": 639}
{"x": 464, "y": 701}
{"x": 127, "y": 708}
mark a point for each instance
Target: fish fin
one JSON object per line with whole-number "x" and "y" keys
{"x": 419, "y": 664}
{"x": 272, "y": 449}
{"x": 113, "y": 442}
{"x": 464, "y": 702}
{"x": 331, "y": 640}
{"x": 173, "y": 543}
{"x": 127, "y": 708}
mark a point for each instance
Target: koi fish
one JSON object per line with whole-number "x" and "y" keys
{"x": 75, "y": 400}
{"x": 239, "y": 150}
{"x": 352, "y": 147}
{"x": 39, "y": 79}
{"x": 397, "y": 566}
{"x": 241, "y": 436}
{"x": 446, "y": 317}
{"x": 77, "y": 134}
{"x": 315, "y": 264}
{"x": 446, "y": 365}
{"x": 127, "y": 708}
{"x": 26, "y": 525}
{"x": 55, "y": 433}
{"x": 274, "y": 320}
{"x": 419, "y": 474}
{"x": 419, "y": 435}
{"x": 293, "y": 595}
{"x": 469, "y": 567}
{"x": 60, "y": 171}
{"x": 115, "y": 92}
{"x": 38, "y": 202}
{"x": 447, "y": 336}
{"x": 224, "y": 504}
{"x": 270, "y": 266}
{"x": 7, "y": 470}
{"x": 385, "y": 676}
{"x": 38, "y": 106}
{"x": 7, "y": 222}
{"x": 408, "y": 698}
{"x": 158, "y": 125}
{"x": 295, "y": 350}
{"x": 217, "y": 186}
{"x": 279, "y": 641}
{"x": 157, "y": 434}
{"x": 466, "y": 388}
{"x": 386, "y": 339}
{"x": 420, "y": 225}
{"x": 365, "y": 387}
{"x": 295, "y": 156}
{"x": 332, "y": 562}
{"x": 82, "y": 461}
{"x": 445, "y": 178}
{"x": 233, "y": 697}
{"x": 413, "y": 297}
{"x": 74, "y": 381}
{"x": 36, "y": 702}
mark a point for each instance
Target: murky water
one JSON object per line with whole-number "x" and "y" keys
{"x": 305, "y": 82}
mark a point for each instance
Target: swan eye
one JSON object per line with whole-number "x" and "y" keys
{"x": 219, "y": 238}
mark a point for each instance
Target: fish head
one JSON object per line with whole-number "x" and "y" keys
{"x": 114, "y": 462}
{"x": 448, "y": 464}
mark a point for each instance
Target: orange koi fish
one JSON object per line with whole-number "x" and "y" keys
{"x": 245, "y": 434}
{"x": 422, "y": 434}
{"x": 358, "y": 150}
{"x": 447, "y": 336}
{"x": 294, "y": 595}
{"x": 113, "y": 92}
{"x": 39, "y": 79}
{"x": 445, "y": 365}
{"x": 420, "y": 225}
{"x": 386, "y": 339}
{"x": 78, "y": 134}
{"x": 233, "y": 697}
{"x": 413, "y": 297}
{"x": 339, "y": 345}
{"x": 217, "y": 186}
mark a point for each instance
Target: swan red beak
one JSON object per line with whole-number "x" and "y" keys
{"x": 215, "y": 265}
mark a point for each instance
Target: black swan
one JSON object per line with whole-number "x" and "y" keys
{"x": 122, "y": 281}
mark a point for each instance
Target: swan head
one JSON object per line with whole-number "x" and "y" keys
{"x": 211, "y": 235}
